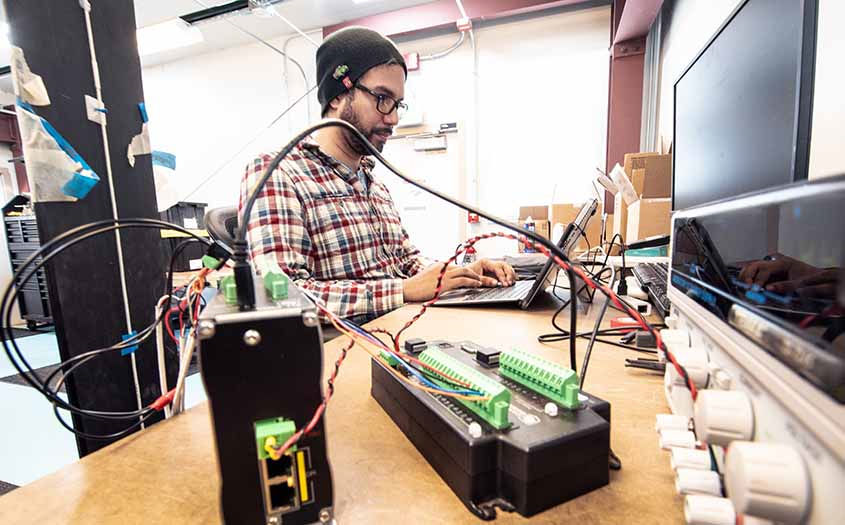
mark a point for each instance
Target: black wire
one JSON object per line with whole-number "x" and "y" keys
{"x": 240, "y": 250}
{"x": 592, "y": 342}
{"x": 12, "y": 292}
{"x": 117, "y": 435}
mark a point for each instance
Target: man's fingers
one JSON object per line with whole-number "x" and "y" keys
{"x": 463, "y": 272}
{"x": 463, "y": 282}
{"x": 490, "y": 282}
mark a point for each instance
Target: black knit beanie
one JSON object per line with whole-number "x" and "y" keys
{"x": 346, "y": 55}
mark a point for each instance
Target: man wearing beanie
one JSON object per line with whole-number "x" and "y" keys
{"x": 324, "y": 220}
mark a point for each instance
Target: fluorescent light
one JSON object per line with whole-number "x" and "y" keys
{"x": 165, "y": 36}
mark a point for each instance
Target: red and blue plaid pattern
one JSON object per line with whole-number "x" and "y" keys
{"x": 315, "y": 221}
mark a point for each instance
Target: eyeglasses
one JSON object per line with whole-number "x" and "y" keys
{"x": 385, "y": 104}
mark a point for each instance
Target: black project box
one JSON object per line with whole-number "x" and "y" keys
{"x": 538, "y": 462}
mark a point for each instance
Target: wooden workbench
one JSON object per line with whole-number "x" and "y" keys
{"x": 168, "y": 473}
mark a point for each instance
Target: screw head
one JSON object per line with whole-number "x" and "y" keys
{"x": 252, "y": 337}
{"x": 206, "y": 329}
{"x": 325, "y": 516}
{"x": 273, "y": 520}
{"x": 310, "y": 319}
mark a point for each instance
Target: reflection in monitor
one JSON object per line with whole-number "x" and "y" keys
{"x": 743, "y": 107}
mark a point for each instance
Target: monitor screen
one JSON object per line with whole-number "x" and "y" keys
{"x": 742, "y": 116}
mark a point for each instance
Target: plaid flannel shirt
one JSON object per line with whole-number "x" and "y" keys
{"x": 315, "y": 221}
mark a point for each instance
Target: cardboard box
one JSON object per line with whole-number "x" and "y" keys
{"x": 650, "y": 173}
{"x": 566, "y": 213}
{"x": 540, "y": 215}
{"x": 620, "y": 217}
{"x": 647, "y": 218}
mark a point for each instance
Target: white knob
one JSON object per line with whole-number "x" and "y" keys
{"x": 690, "y": 458}
{"x": 671, "y": 322}
{"x": 694, "y": 481}
{"x": 475, "y": 429}
{"x": 694, "y": 361}
{"x": 723, "y": 416}
{"x": 767, "y": 480}
{"x": 671, "y": 422}
{"x": 720, "y": 378}
{"x": 680, "y": 337}
{"x": 676, "y": 438}
{"x": 550, "y": 409}
{"x": 708, "y": 510}
{"x": 675, "y": 341}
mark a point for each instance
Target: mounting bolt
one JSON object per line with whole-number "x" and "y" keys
{"x": 309, "y": 319}
{"x": 206, "y": 329}
{"x": 252, "y": 337}
{"x": 273, "y": 520}
{"x": 325, "y": 516}
{"x": 550, "y": 409}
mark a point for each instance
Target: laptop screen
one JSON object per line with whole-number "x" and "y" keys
{"x": 566, "y": 242}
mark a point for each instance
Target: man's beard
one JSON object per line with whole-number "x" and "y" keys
{"x": 349, "y": 115}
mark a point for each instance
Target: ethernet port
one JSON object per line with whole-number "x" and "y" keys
{"x": 279, "y": 467}
{"x": 282, "y": 496}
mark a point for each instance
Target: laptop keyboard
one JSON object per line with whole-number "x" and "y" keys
{"x": 515, "y": 292}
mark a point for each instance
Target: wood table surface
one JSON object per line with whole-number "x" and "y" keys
{"x": 168, "y": 472}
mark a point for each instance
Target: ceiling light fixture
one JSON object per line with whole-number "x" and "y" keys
{"x": 165, "y": 36}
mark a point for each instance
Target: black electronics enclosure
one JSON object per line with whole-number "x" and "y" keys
{"x": 258, "y": 365}
{"x": 538, "y": 462}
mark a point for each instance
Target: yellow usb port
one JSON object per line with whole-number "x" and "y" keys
{"x": 303, "y": 485}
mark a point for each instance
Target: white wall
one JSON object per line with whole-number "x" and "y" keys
{"x": 205, "y": 108}
{"x": 542, "y": 110}
{"x": 692, "y": 24}
{"x": 828, "y": 133}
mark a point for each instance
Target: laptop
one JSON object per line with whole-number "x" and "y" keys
{"x": 523, "y": 292}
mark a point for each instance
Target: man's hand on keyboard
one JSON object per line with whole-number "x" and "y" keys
{"x": 494, "y": 273}
{"x": 422, "y": 286}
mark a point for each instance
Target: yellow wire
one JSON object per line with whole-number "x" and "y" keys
{"x": 358, "y": 338}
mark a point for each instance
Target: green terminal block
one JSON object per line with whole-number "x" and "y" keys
{"x": 212, "y": 263}
{"x": 228, "y": 289}
{"x": 495, "y": 409}
{"x": 279, "y": 428}
{"x": 389, "y": 358}
{"x": 554, "y": 381}
{"x": 276, "y": 285}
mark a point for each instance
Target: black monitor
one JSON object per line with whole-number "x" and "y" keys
{"x": 743, "y": 106}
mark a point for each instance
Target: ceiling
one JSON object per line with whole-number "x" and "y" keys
{"x": 219, "y": 33}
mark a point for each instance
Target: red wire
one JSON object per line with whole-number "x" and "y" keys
{"x": 589, "y": 281}
{"x": 167, "y": 324}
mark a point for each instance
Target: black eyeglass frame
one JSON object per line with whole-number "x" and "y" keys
{"x": 381, "y": 98}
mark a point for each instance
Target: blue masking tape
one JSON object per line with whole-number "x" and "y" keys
{"x": 128, "y": 350}
{"x": 101, "y": 110}
{"x": 81, "y": 182}
{"x": 164, "y": 159}
{"x": 143, "y": 108}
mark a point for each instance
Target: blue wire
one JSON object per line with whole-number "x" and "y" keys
{"x": 411, "y": 370}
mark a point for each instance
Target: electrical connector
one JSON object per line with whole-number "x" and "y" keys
{"x": 414, "y": 345}
{"x": 276, "y": 285}
{"x": 494, "y": 410}
{"x": 229, "y": 289}
{"x": 552, "y": 380}
{"x": 277, "y": 428}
